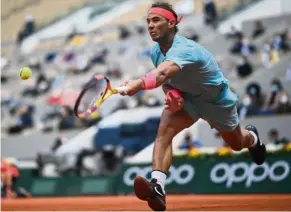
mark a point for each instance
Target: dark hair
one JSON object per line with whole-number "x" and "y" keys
{"x": 273, "y": 132}
{"x": 255, "y": 86}
{"x": 168, "y": 7}
{"x": 277, "y": 82}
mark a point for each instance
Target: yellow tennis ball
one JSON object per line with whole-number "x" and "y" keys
{"x": 25, "y": 73}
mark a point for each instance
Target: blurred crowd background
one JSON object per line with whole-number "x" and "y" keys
{"x": 110, "y": 37}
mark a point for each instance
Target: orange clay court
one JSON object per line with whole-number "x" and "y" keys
{"x": 174, "y": 202}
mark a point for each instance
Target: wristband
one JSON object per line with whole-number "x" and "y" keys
{"x": 150, "y": 81}
{"x": 175, "y": 93}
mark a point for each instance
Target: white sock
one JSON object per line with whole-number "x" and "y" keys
{"x": 161, "y": 178}
{"x": 255, "y": 138}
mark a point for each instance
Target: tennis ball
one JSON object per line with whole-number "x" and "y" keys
{"x": 25, "y": 73}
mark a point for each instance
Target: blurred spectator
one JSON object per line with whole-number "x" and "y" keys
{"x": 8, "y": 174}
{"x": 35, "y": 63}
{"x": 123, "y": 32}
{"x": 275, "y": 137}
{"x": 277, "y": 100}
{"x": 277, "y": 42}
{"x": 21, "y": 36}
{"x": 247, "y": 48}
{"x": 25, "y": 116}
{"x": 258, "y": 30}
{"x": 252, "y": 102}
{"x": 210, "y": 13}
{"x": 24, "y": 119}
{"x": 192, "y": 35}
{"x": 270, "y": 56}
{"x": 27, "y": 29}
{"x": 244, "y": 67}
{"x": 242, "y": 46}
{"x": 284, "y": 105}
{"x": 274, "y": 56}
{"x": 255, "y": 92}
{"x": 29, "y": 24}
{"x": 99, "y": 56}
{"x": 67, "y": 119}
{"x": 9, "y": 177}
{"x": 280, "y": 41}
{"x": 236, "y": 46}
{"x": 58, "y": 143}
{"x": 42, "y": 83}
{"x": 109, "y": 161}
{"x": 80, "y": 167}
{"x": 40, "y": 86}
{"x": 190, "y": 143}
{"x": 140, "y": 28}
{"x": 112, "y": 157}
{"x": 266, "y": 55}
{"x": 45, "y": 157}
{"x": 234, "y": 33}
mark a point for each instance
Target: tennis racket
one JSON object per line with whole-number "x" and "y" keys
{"x": 94, "y": 93}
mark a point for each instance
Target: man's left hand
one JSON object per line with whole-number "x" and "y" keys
{"x": 174, "y": 102}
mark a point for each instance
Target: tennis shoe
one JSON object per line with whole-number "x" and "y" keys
{"x": 258, "y": 152}
{"x": 151, "y": 192}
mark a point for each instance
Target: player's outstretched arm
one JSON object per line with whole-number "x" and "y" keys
{"x": 153, "y": 79}
{"x": 165, "y": 71}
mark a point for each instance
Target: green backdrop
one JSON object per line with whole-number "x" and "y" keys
{"x": 205, "y": 175}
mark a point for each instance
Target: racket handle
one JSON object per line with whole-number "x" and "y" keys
{"x": 121, "y": 89}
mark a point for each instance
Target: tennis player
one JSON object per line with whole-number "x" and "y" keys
{"x": 195, "y": 88}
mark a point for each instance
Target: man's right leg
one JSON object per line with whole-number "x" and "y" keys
{"x": 153, "y": 192}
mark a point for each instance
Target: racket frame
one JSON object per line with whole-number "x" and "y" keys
{"x": 108, "y": 91}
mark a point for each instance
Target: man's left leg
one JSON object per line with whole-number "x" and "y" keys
{"x": 239, "y": 139}
{"x": 223, "y": 116}
{"x": 226, "y": 121}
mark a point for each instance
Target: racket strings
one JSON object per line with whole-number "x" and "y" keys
{"x": 93, "y": 95}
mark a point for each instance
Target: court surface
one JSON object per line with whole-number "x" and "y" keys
{"x": 174, "y": 202}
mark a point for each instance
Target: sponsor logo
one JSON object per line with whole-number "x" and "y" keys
{"x": 181, "y": 175}
{"x": 156, "y": 190}
{"x": 249, "y": 173}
